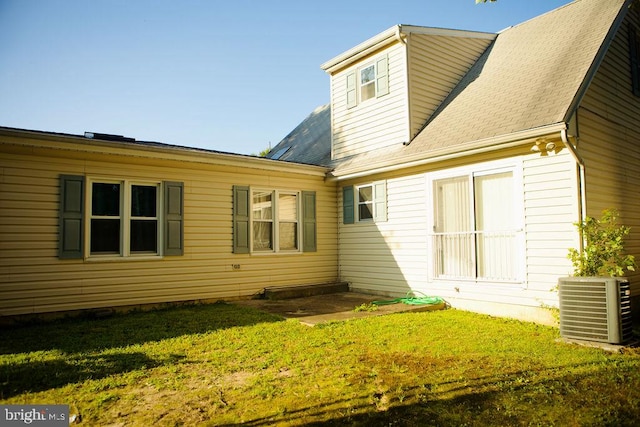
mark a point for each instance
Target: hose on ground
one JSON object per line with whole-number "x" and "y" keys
{"x": 412, "y": 299}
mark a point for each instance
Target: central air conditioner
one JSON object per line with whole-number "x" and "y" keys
{"x": 595, "y": 309}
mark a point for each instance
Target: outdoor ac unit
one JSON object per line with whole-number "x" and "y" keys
{"x": 595, "y": 309}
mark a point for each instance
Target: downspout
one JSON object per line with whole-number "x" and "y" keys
{"x": 581, "y": 173}
{"x": 399, "y": 34}
{"x": 404, "y": 41}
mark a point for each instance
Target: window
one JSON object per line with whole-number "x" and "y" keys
{"x": 288, "y": 221}
{"x": 273, "y": 221}
{"x": 476, "y": 227}
{"x": 262, "y": 221}
{"x": 367, "y": 82}
{"x": 144, "y": 219}
{"x": 123, "y": 218}
{"x": 105, "y": 218}
{"x": 278, "y": 154}
{"x": 365, "y": 203}
{"x": 370, "y": 202}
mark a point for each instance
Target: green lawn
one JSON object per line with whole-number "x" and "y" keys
{"x": 222, "y": 364}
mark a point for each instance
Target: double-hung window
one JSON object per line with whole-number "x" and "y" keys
{"x": 124, "y": 218}
{"x": 476, "y": 226}
{"x": 107, "y": 218}
{"x": 275, "y": 221}
{"x": 368, "y": 81}
{"x": 365, "y": 202}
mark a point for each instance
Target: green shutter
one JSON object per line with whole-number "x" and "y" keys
{"x": 240, "y": 219}
{"x": 173, "y": 218}
{"x": 309, "y": 228}
{"x": 635, "y": 61}
{"x": 348, "y": 210}
{"x": 380, "y": 201}
{"x": 352, "y": 98}
{"x": 382, "y": 76}
{"x": 71, "y": 230}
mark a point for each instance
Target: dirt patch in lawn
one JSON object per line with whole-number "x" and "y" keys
{"x": 333, "y": 307}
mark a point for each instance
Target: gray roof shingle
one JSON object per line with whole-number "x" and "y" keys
{"x": 309, "y": 142}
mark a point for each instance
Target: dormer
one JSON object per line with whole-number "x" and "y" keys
{"x": 385, "y": 89}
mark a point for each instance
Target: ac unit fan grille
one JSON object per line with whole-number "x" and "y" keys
{"x": 597, "y": 310}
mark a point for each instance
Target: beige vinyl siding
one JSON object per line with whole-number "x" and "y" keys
{"x": 436, "y": 64}
{"x": 608, "y": 120}
{"x": 34, "y": 280}
{"x": 377, "y": 122}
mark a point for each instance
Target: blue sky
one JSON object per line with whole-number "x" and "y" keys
{"x": 226, "y": 75}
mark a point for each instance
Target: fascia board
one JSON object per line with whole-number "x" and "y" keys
{"x": 75, "y": 143}
{"x": 468, "y": 149}
{"x": 391, "y": 35}
{"x": 376, "y": 42}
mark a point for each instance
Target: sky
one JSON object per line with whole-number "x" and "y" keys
{"x": 226, "y": 75}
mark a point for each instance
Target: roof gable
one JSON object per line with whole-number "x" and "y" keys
{"x": 530, "y": 78}
{"x": 397, "y": 33}
{"x": 527, "y": 79}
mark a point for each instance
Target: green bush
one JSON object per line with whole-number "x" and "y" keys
{"x": 603, "y": 253}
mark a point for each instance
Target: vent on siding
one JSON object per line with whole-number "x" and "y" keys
{"x": 595, "y": 309}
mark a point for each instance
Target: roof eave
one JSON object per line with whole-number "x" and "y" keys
{"x": 397, "y": 33}
{"x": 379, "y": 41}
{"x": 467, "y": 149}
{"x": 79, "y": 143}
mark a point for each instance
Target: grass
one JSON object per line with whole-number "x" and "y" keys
{"x": 222, "y": 364}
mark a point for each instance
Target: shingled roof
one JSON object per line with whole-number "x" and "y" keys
{"x": 528, "y": 78}
{"x": 531, "y": 77}
{"x": 309, "y": 142}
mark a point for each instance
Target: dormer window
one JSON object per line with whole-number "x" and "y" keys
{"x": 370, "y": 81}
{"x": 367, "y": 82}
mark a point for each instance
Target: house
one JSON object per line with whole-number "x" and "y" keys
{"x": 463, "y": 159}
{"x": 450, "y": 163}
{"x": 97, "y": 221}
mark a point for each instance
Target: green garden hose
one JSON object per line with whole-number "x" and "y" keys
{"x": 412, "y": 299}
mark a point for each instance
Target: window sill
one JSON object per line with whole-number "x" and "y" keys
{"x": 117, "y": 258}
{"x": 276, "y": 253}
{"x": 492, "y": 282}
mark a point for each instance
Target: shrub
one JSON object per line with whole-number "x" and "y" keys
{"x": 603, "y": 253}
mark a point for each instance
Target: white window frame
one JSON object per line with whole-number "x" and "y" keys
{"x": 380, "y": 82}
{"x": 371, "y": 203}
{"x": 483, "y": 169}
{"x": 276, "y": 221}
{"x": 373, "y": 82}
{"x": 377, "y": 202}
{"x": 125, "y": 218}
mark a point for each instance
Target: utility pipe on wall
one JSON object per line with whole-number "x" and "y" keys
{"x": 581, "y": 171}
